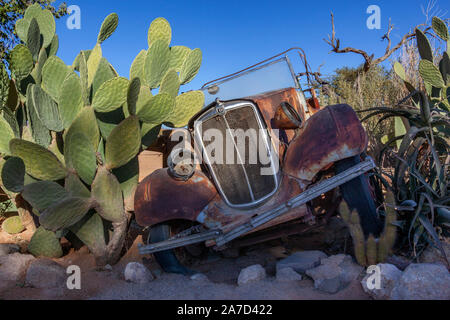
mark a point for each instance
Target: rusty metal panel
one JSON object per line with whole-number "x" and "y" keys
{"x": 332, "y": 134}
{"x": 160, "y": 198}
{"x": 217, "y": 215}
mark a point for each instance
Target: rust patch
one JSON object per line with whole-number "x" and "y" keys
{"x": 160, "y": 198}
{"x": 218, "y": 215}
{"x": 332, "y": 134}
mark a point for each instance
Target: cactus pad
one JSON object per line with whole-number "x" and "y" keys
{"x": 13, "y": 225}
{"x": 191, "y": 66}
{"x": 111, "y": 95}
{"x": 80, "y": 155}
{"x": 137, "y": 67}
{"x": 75, "y": 187}
{"x": 45, "y": 244}
{"x": 34, "y": 38}
{"x": 86, "y": 123}
{"x": 159, "y": 30}
{"x": 108, "y": 196}
{"x": 440, "y": 28}
{"x": 46, "y": 110}
{"x": 156, "y": 63}
{"x": 178, "y": 55}
{"x": 91, "y": 232}
{"x": 108, "y": 27}
{"x": 170, "y": 83}
{"x": 93, "y": 62}
{"x": 123, "y": 143}
{"x": 70, "y": 99}
{"x": 21, "y": 62}
{"x": 431, "y": 74}
{"x": 54, "y": 72}
{"x": 157, "y": 109}
{"x": 65, "y": 213}
{"x": 13, "y": 174}
{"x": 133, "y": 95}
{"x": 103, "y": 74}
{"x": 43, "y": 194}
{"x": 186, "y": 106}
{"x": 39, "y": 162}
{"x": 6, "y": 135}
{"x": 424, "y": 46}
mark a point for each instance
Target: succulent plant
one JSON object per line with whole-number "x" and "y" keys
{"x": 370, "y": 251}
{"x": 71, "y": 139}
{"x": 13, "y": 225}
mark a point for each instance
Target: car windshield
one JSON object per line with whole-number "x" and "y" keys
{"x": 272, "y": 76}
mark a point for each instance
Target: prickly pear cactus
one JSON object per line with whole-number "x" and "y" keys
{"x": 13, "y": 225}
{"x": 371, "y": 251}
{"x": 71, "y": 138}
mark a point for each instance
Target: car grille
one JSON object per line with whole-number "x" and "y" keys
{"x": 239, "y": 177}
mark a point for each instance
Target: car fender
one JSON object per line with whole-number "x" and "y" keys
{"x": 160, "y": 198}
{"x": 332, "y": 134}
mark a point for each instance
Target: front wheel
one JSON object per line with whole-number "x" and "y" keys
{"x": 358, "y": 195}
{"x": 168, "y": 260}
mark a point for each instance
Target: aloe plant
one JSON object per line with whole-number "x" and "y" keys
{"x": 71, "y": 138}
{"x": 420, "y": 179}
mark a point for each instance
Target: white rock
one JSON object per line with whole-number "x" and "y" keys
{"x": 251, "y": 274}
{"x": 302, "y": 261}
{"x": 137, "y": 273}
{"x": 334, "y": 273}
{"x": 389, "y": 276}
{"x": 14, "y": 266}
{"x": 45, "y": 274}
{"x": 199, "y": 277}
{"x": 423, "y": 282}
{"x": 288, "y": 274}
{"x": 7, "y": 248}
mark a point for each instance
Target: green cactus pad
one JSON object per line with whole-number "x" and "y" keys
{"x": 170, "y": 83}
{"x": 123, "y": 143}
{"x": 156, "y": 63}
{"x": 54, "y": 72}
{"x": 13, "y": 225}
{"x": 80, "y": 155}
{"x": 40, "y": 163}
{"x": 10, "y": 118}
{"x": 37, "y": 71}
{"x": 178, "y": 55}
{"x": 424, "y": 46}
{"x": 91, "y": 232}
{"x": 93, "y": 62}
{"x": 44, "y": 243}
{"x": 34, "y": 38}
{"x": 84, "y": 79}
{"x": 45, "y": 21}
{"x": 13, "y": 174}
{"x": 145, "y": 95}
{"x": 52, "y": 49}
{"x": 39, "y": 132}
{"x": 83, "y": 54}
{"x": 186, "y": 106}
{"x": 159, "y": 30}
{"x": 431, "y": 74}
{"x": 108, "y": 27}
{"x": 134, "y": 89}
{"x": 440, "y": 28}
{"x": 21, "y": 28}
{"x": 21, "y": 62}
{"x": 75, "y": 187}
{"x": 137, "y": 67}
{"x": 43, "y": 194}
{"x": 6, "y": 135}
{"x": 4, "y": 84}
{"x": 128, "y": 177}
{"x": 191, "y": 66}
{"x": 110, "y": 120}
{"x": 400, "y": 71}
{"x": 47, "y": 110}
{"x": 108, "y": 196}
{"x": 103, "y": 74}
{"x": 86, "y": 123}
{"x": 111, "y": 95}
{"x": 65, "y": 213}
{"x": 70, "y": 99}
{"x": 150, "y": 132}
{"x": 157, "y": 109}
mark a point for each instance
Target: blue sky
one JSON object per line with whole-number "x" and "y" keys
{"x": 234, "y": 34}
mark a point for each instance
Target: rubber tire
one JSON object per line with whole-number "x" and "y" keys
{"x": 358, "y": 196}
{"x": 167, "y": 259}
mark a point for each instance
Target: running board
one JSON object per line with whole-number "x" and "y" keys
{"x": 303, "y": 198}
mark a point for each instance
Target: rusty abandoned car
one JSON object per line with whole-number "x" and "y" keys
{"x": 315, "y": 156}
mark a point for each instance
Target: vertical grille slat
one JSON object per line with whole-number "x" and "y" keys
{"x": 240, "y": 182}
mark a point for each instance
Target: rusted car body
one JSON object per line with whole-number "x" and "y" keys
{"x": 232, "y": 201}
